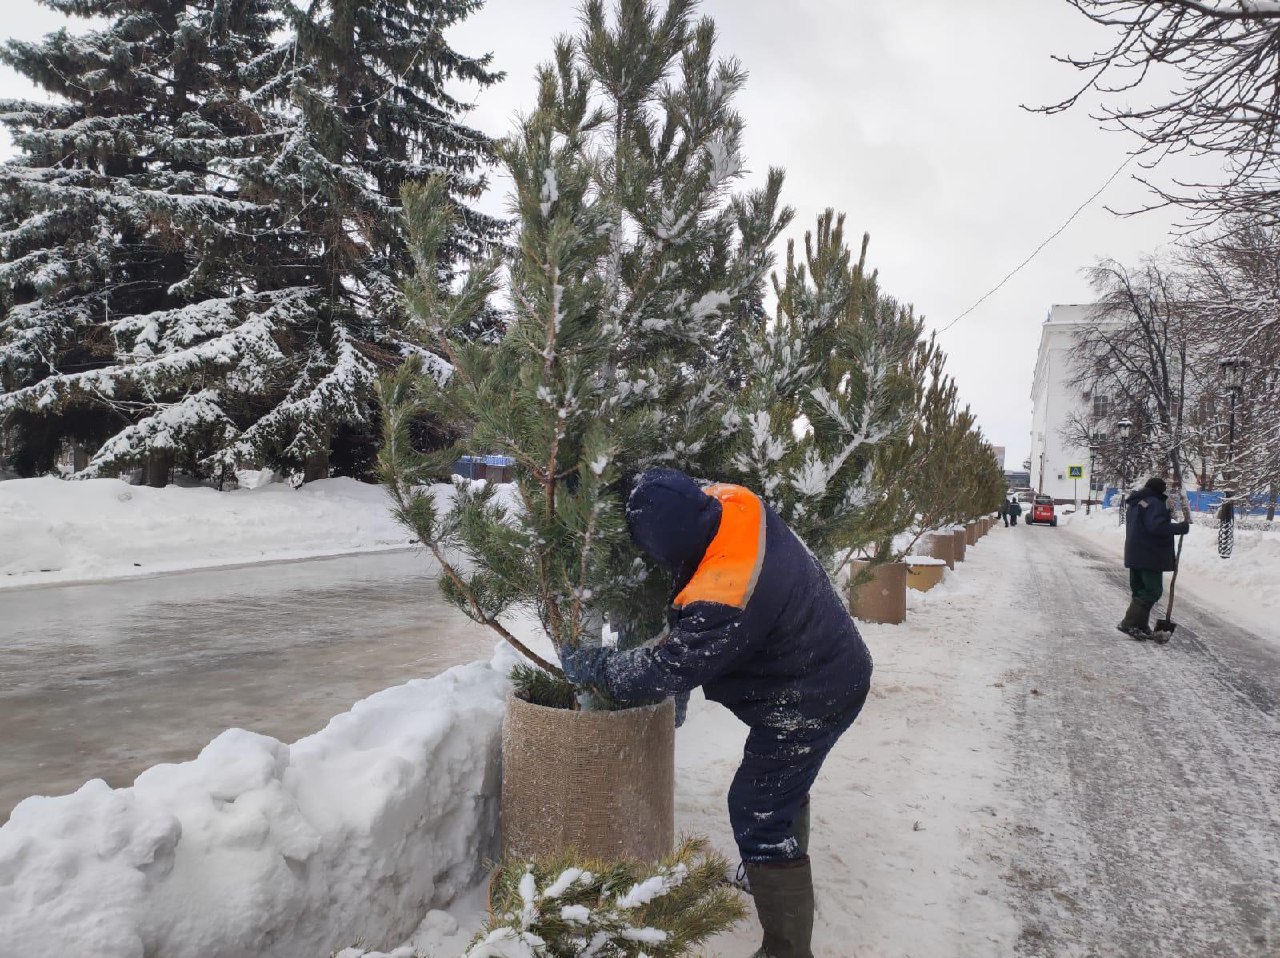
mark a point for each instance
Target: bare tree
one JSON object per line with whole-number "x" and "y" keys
{"x": 1223, "y": 57}
{"x": 1235, "y": 287}
{"x": 1142, "y": 350}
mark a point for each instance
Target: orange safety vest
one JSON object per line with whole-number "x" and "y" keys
{"x": 731, "y": 565}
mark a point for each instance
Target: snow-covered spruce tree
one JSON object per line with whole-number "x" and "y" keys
{"x": 367, "y": 108}
{"x": 630, "y": 256}
{"x": 107, "y": 255}
{"x": 197, "y": 261}
{"x": 828, "y": 382}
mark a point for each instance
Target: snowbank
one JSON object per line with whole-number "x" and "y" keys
{"x": 56, "y": 530}
{"x": 257, "y": 848}
{"x": 1244, "y": 585}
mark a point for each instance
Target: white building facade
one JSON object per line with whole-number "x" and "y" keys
{"x": 1054, "y": 403}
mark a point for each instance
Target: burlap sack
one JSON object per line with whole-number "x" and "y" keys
{"x": 971, "y": 533}
{"x": 601, "y": 782}
{"x": 922, "y": 578}
{"x": 884, "y": 598}
{"x": 942, "y": 545}
{"x": 961, "y": 539}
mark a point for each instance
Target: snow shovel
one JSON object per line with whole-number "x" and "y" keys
{"x": 1165, "y": 627}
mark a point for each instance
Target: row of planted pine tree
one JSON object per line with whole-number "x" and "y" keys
{"x": 636, "y": 335}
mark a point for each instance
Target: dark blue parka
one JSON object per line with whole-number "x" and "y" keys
{"x": 1149, "y": 532}
{"x": 755, "y": 619}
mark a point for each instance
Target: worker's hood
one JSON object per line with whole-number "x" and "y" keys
{"x": 672, "y": 520}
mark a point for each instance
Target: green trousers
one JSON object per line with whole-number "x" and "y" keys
{"x": 1147, "y": 585}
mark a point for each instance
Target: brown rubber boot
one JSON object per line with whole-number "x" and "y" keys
{"x": 784, "y": 903}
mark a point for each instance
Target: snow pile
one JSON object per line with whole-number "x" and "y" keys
{"x": 57, "y": 530}
{"x": 265, "y": 849}
{"x": 1246, "y": 582}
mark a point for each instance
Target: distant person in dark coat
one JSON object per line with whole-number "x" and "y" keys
{"x": 755, "y": 620}
{"x": 1015, "y": 510}
{"x": 1148, "y": 553}
{"x": 1004, "y": 513}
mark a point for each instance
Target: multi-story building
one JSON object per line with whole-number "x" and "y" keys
{"x": 1055, "y": 403}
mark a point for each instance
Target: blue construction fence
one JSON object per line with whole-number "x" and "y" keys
{"x": 1202, "y": 501}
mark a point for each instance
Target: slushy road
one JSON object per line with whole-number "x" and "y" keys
{"x": 1150, "y": 775}
{"x": 103, "y": 680}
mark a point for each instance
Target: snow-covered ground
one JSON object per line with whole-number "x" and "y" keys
{"x": 56, "y": 530}
{"x": 1244, "y": 586}
{"x": 983, "y": 804}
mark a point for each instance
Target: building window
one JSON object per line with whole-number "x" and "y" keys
{"x": 1101, "y": 407}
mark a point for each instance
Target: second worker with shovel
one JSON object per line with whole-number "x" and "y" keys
{"x": 1148, "y": 553}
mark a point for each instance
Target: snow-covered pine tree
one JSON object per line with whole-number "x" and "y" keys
{"x": 567, "y": 906}
{"x": 631, "y": 254}
{"x": 828, "y": 382}
{"x": 939, "y": 473}
{"x": 201, "y": 246}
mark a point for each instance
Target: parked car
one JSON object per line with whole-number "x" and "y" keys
{"x": 1042, "y": 512}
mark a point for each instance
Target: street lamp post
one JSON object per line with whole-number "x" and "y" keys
{"x": 1125, "y": 428}
{"x": 1233, "y": 369}
{"x": 1094, "y": 439}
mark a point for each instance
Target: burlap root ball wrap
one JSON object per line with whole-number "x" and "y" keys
{"x": 600, "y": 782}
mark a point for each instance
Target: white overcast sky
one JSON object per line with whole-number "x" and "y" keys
{"x": 907, "y": 117}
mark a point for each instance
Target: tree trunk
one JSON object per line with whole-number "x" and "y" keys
{"x": 79, "y": 458}
{"x": 159, "y": 462}
{"x": 1271, "y": 504}
{"x": 316, "y": 467}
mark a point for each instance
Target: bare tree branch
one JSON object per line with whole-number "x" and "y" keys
{"x": 1224, "y": 101}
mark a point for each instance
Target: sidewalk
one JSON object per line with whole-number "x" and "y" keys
{"x": 909, "y": 819}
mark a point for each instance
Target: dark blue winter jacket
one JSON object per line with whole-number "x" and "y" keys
{"x": 1149, "y": 532}
{"x": 755, "y": 619}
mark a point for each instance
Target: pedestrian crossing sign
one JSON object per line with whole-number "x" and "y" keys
{"x": 1075, "y": 472}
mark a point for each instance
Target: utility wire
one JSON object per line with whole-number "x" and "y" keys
{"x": 1036, "y": 252}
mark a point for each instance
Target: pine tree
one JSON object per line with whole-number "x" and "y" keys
{"x": 201, "y": 250}
{"x": 623, "y": 909}
{"x": 829, "y": 382}
{"x": 938, "y": 473}
{"x": 631, "y": 255}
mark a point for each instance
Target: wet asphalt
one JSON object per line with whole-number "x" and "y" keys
{"x": 102, "y": 680}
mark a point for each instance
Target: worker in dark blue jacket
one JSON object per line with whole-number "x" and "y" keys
{"x": 755, "y": 621}
{"x": 1148, "y": 553}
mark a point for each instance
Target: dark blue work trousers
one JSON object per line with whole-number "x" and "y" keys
{"x": 779, "y": 767}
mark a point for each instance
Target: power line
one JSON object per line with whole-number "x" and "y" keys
{"x": 1034, "y": 253}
